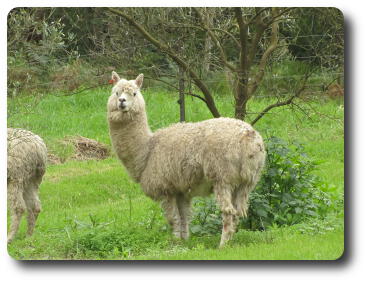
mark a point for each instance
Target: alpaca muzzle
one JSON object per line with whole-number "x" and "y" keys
{"x": 122, "y": 103}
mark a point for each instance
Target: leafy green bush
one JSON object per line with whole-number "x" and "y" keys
{"x": 288, "y": 193}
{"x": 207, "y": 218}
{"x": 36, "y": 47}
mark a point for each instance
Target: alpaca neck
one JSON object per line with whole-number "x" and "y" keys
{"x": 130, "y": 137}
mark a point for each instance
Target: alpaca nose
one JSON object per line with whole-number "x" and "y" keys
{"x": 122, "y": 100}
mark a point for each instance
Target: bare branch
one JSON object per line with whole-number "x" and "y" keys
{"x": 196, "y": 95}
{"x": 215, "y": 39}
{"x": 260, "y": 29}
{"x": 258, "y": 13}
{"x": 84, "y": 89}
{"x": 176, "y": 88}
{"x": 282, "y": 103}
{"x": 275, "y": 18}
{"x": 243, "y": 37}
{"x": 340, "y": 121}
{"x": 230, "y": 35}
{"x": 162, "y": 81}
{"x": 264, "y": 59}
{"x": 173, "y": 55}
{"x": 213, "y": 29}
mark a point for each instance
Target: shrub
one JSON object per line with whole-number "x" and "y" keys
{"x": 35, "y": 46}
{"x": 288, "y": 193}
{"x": 207, "y": 217}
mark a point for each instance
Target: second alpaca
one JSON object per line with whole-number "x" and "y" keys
{"x": 27, "y": 158}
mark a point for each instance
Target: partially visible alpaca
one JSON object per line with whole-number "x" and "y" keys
{"x": 27, "y": 157}
{"x": 222, "y": 156}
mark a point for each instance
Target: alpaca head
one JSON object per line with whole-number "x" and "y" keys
{"x": 126, "y": 98}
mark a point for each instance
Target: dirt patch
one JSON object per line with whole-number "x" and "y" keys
{"x": 53, "y": 159}
{"x": 335, "y": 90}
{"x": 84, "y": 149}
{"x": 87, "y": 149}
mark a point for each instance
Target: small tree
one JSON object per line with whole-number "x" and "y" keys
{"x": 254, "y": 36}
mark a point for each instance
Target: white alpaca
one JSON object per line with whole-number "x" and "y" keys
{"x": 27, "y": 157}
{"x": 223, "y": 156}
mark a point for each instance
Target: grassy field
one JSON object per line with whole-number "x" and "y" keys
{"x": 92, "y": 210}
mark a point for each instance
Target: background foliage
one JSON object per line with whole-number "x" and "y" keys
{"x": 70, "y": 48}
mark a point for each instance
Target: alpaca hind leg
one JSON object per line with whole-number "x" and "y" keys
{"x": 223, "y": 193}
{"x": 184, "y": 207}
{"x": 240, "y": 200}
{"x": 17, "y": 208}
{"x": 169, "y": 205}
{"x": 33, "y": 206}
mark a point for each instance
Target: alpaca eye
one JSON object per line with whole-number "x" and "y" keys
{"x": 134, "y": 93}
{"x": 117, "y": 93}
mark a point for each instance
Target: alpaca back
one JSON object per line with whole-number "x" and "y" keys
{"x": 27, "y": 155}
{"x": 186, "y": 156}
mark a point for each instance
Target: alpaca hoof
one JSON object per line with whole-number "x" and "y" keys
{"x": 29, "y": 234}
{"x": 222, "y": 245}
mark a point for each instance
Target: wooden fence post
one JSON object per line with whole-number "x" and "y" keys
{"x": 181, "y": 87}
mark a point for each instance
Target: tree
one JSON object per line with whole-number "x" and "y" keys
{"x": 163, "y": 47}
{"x": 240, "y": 48}
{"x": 245, "y": 59}
{"x": 316, "y": 35}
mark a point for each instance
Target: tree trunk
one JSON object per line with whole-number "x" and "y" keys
{"x": 242, "y": 94}
{"x": 241, "y": 98}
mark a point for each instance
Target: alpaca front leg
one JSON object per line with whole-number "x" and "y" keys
{"x": 184, "y": 207}
{"x": 229, "y": 228}
{"x": 169, "y": 205}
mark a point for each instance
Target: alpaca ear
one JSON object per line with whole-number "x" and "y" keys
{"x": 139, "y": 80}
{"x": 115, "y": 77}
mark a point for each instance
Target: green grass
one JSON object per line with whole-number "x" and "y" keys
{"x": 92, "y": 210}
{"x": 274, "y": 245}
